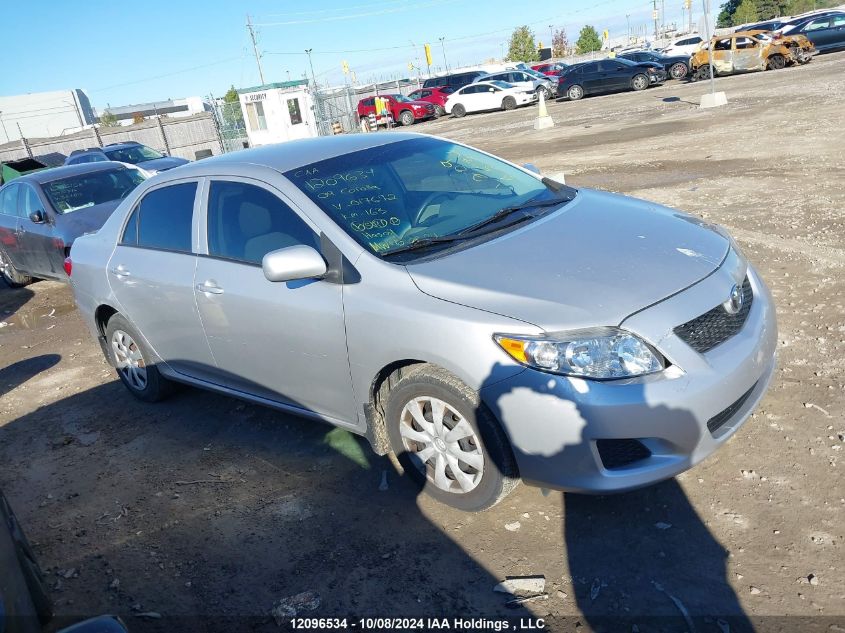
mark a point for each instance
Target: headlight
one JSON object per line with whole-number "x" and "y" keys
{"x": 600, "y": 353}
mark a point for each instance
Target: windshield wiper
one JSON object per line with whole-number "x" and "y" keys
{"x": 426, "y": 242}
{"x": 503, "y": 213}
{"x": 472, "y": 230}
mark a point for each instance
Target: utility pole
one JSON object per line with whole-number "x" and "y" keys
{"x": 313, "y": 77}
{"x": 255, "y": 48}
{"x": 662, "y": 18}
{"x": 443, "y": 48}
{"x": 654, "y": 15}
{"x": 552, "y": 39}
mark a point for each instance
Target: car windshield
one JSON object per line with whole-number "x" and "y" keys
{"x": 86, "y": 190}
{"x": 501, "y": 84}
{"x": 627, "y": 62}
{"x": 401, "y": 98}
{"x": 133, "y": 154}
{"x": 391, "y": 196}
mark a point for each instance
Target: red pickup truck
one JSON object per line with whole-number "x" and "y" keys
{"x": 402, "y": 110}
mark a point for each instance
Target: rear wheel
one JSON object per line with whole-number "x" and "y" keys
{"x": 777, "y": 62}
{"x": 447, "y": 441}
{"x": 639, "y": 82}
{"x": 406, "y": 118}
{"x": 575, "y": 92}
{"x": 458, "y": 110}
{"x": 133, "y": 362}
{"x": 11, "y": 275}
{"x": 508, "y": 103}
{"x": 678, "y": 71}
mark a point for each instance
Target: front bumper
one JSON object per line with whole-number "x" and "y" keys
{"x": 657, "y": 78}
{"x": 559, "y": 427}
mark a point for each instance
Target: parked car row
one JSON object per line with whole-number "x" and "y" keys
{"x": 131, "y": 152}
{"x": 824, "y": 29}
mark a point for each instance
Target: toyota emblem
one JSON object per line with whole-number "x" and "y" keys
{"x": 734, "y": 302}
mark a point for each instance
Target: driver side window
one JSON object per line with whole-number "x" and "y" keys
{"x": 245, "y": 222}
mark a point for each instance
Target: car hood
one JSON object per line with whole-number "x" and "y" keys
{"x": 595, "y": 261}
{"x": 85, "y": 220}
{"x": 162, "y": 164}
{"x": 650, "y": 65}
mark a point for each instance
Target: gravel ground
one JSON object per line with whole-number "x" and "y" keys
{"x": 211, "y": 510}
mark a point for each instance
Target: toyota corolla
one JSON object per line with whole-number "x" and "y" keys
{"x": 481, "y": 322}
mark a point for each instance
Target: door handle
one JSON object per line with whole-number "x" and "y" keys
{"x": 120, "y": 271}
{"x": 210, "y": 288}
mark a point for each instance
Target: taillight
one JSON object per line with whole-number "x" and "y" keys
{"x": 68, "y": 266}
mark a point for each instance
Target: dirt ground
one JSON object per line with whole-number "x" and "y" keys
{"x": 211, "y": 510}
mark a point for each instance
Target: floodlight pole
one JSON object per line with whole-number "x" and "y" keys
{"x": 443, "y": 48}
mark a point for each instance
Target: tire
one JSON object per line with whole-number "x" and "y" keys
{"x": 32, "y": 574}
{"x": 776, "y": 62}
{"x": 639, "y": 82}
{"x": 11, "y": 275}
{"x": 458, "y": 111}
{"x": 701, "y": 73}
{"x": 678, "y": 71}
{"x": 575, "y": 92}
{"x": 508, "y": 103}
{"x": 417, "y": 391}
{"x": 547, "y": 94}
{"x": 131, "y": 359}
{"x": 406, "y": 118}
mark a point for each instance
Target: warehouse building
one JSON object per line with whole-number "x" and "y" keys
{"x": 44, "y": 114}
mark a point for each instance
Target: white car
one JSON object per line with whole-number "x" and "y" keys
{"x": 525, "y": 79}
{"x": 684, "y": 45}
{"x": 488, "y": 95}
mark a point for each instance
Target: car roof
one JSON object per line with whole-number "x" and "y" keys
{"x": 289, "y": 155}
{"x": 49, "y": 175}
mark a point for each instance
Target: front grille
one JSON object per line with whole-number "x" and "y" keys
{"x": 718, "y": 420}
{"x": 620, "y": 453}
{"x": 716, "y": 326}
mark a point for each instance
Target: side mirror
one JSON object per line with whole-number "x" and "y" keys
{"x": 38, "y": 216}
{"x": 293, "y": 262}
{"x": 532, "y": 167}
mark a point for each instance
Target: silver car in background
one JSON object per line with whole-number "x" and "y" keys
{"x": 482, "y": 323}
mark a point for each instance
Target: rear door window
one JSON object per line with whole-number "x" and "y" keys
{"x": 9, "y": 200}
{"x": 165, "y": 218}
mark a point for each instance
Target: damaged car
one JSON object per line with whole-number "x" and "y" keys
{"x": 748, "y": 51}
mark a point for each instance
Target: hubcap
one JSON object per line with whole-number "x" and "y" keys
{"x": 130, "y": 361}
{"x": 442, "y": 444}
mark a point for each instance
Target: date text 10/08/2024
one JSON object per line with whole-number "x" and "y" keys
{"x": 423, "y": 624}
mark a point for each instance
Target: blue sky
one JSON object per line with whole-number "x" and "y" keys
{"x": 131, "y": 52}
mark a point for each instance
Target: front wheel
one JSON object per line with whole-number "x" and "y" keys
{"x": 133, "y": 362}
{"x": 678, "y": 71}
{"x": 458, "y": 111}
{"x": 574, "y": 93}
{"x": 543, "y": 90}
{"x": 777, "y": 62}
{"x": 439, "y": 111}
{"x": 508, "y": 103}
{"x": 406, "y": 118}
{"x": 639, "y": 82}
{"x": 447, "y": 440}
{"x": 11, "y": 275}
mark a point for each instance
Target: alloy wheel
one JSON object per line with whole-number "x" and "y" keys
{"x": 129, "y": 360}
{"x": 640, "y": 82}
{"x": 442, "y": 444}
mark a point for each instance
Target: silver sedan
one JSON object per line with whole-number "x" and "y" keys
{"x": 483, "y": 323}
